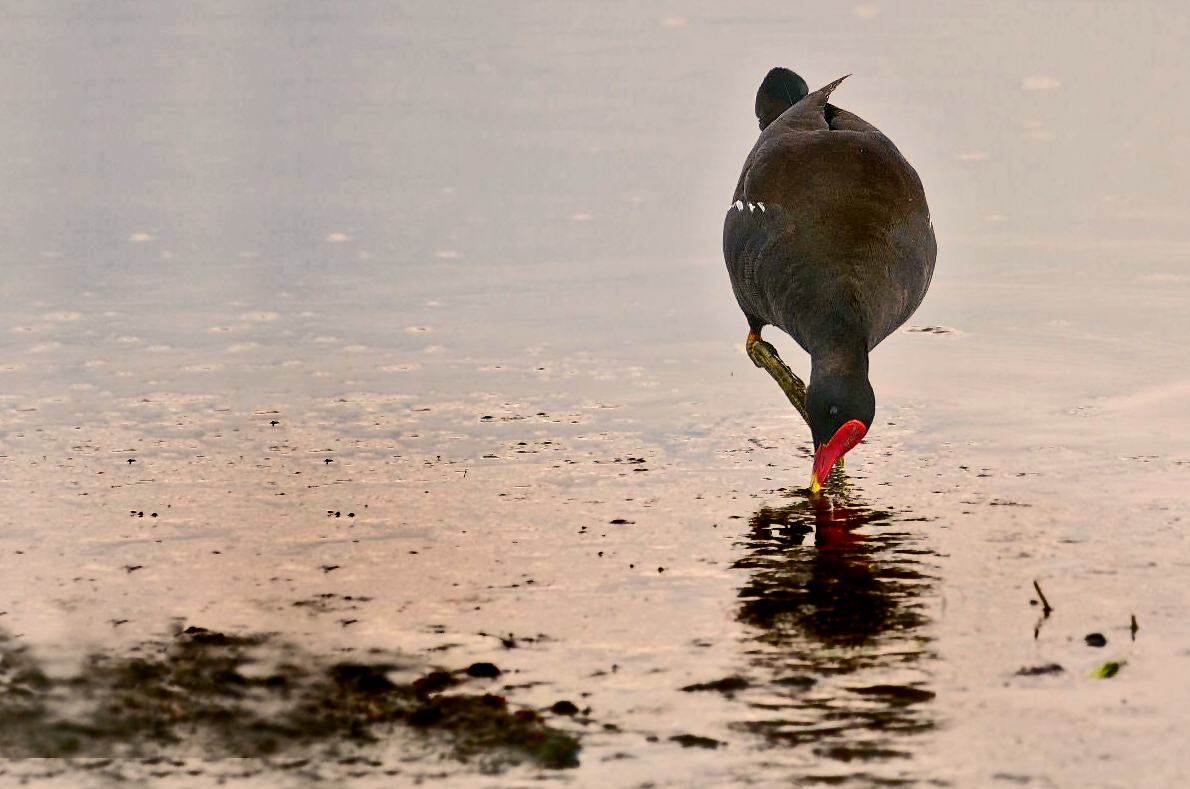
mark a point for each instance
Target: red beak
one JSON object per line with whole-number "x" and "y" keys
{"x": 829, "y": 453}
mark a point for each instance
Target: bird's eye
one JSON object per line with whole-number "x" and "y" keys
{"x": 834, "y": 410}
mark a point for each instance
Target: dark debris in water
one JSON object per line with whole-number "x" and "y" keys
{"x": 483, "y": 670}
{"x": 1034, "y": 671}
{"x": 695, "y": 741}
{"x": 214, "y": 695}
{"x": 796, "y": 681}
{"x": 862, "y": 753}
{"x": 896, "y": 694}
{"x": 725, "y": 685}
{"x": 564, "y": 707}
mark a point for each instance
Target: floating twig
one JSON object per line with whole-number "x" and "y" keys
{"x": 1046, "y": 608}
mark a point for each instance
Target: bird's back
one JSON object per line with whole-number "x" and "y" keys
{"x": 829, "y": 227}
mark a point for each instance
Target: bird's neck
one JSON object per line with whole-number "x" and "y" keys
{"x": 843, "y": 357}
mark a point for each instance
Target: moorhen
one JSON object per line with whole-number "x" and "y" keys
{"x": 829, "y": 239}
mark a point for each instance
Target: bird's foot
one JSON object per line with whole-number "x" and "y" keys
{"x": 765, "y": 356}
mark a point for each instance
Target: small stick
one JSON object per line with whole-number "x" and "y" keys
{"x": 1134, "y": 627}
{"x": 1046, "y": 608}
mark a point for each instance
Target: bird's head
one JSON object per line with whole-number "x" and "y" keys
{"x": 780, "y": 90}
{"x": 841, "y": 411}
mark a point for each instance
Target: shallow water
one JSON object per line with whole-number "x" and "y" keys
{"x": 413, "y": 322}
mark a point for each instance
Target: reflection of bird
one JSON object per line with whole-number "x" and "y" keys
{"x": 829, "y": 239}
{"x": 852, "y": 588}
{"x": 847, "y": 617}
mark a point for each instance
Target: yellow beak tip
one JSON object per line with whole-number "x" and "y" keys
{"x": 815, "y": 485}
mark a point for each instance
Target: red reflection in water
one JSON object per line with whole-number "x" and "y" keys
{"x": 835, "y": 522}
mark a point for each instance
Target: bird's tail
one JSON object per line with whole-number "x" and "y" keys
{"x": 820, "y": 96}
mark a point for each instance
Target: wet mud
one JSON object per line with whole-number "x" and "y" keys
{"x": 215, "y": 696}
{"x": 562, "y": 593}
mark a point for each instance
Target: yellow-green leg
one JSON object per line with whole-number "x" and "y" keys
{"x": 765, "y": 356}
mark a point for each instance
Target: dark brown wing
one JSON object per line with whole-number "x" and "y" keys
{"x": 842, "y": 120}
{"x": 854, "y": 245}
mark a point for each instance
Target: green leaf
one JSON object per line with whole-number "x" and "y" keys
{"x": 1108, "y": 669}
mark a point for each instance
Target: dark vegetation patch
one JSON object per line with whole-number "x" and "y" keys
{"x": 216, "y": 695}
